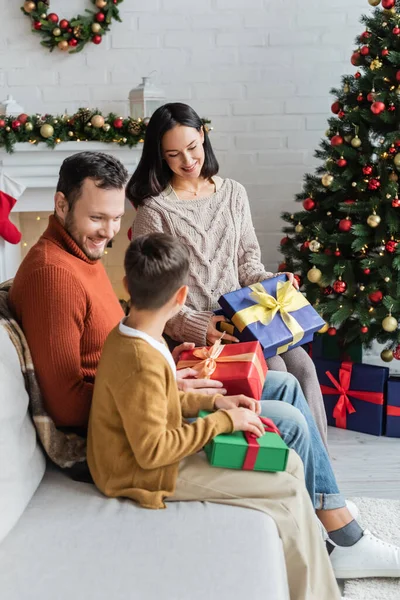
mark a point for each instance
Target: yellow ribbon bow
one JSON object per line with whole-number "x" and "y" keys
{"x": 266, "y": 307}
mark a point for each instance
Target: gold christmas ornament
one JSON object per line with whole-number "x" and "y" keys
{"x": 106, "y": 127}
{"x": 70, "y": 133}
{"x": 97, "y": 121}
{"x": 299, "y": 228}
{"x": 393, "y": 177}
{"x": 314, "y": 246}
{"x": 314, "y": 275}
{"x": 389, "y": 324}
{"x": 324, "y": 328}
{"x": 28, "y": 126}
{"x": 327, "y": 180}
{"x": 346, "y": 88}
{"x": 396, "y": 160}
{"x": 387, "y": 355}
{"x": 373, "y": 220}
{"x": 77, "y": 31}
{"x": 29, "y": 6}
{"x": 375, "y": 64}
{"x": 46, "y": 130}
{"x": 362, "y": 288}
{"x": 56, "y": 31}
{"x": 356, "y": 142}
{"x": 63, "y": 45}
{"x": 374, "y": 2}
{"x": 96, "y": 27}
{"x": 134, "y": 128}
{"x": 101, "y": 3}
{"x": 387, "y": 279}
{"x": 354, "y": 184}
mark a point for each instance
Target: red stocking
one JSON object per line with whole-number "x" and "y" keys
{"x": 7, "y": 230}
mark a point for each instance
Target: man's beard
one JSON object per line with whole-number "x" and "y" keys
{"x": 71, "y": 228}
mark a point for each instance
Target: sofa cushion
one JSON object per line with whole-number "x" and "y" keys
{"x": 22, "y": 462}
{"x": 72, "y": 542}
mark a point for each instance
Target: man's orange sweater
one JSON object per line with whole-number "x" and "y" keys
{"x": 66, "y": 307}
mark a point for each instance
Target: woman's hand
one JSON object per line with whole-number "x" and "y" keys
{"x": 291, "y": 278}
{"x": 213, "y": 334}
{"x": 238, "y": 401}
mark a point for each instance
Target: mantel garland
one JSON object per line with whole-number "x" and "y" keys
{"x": 86, "y": 125}
{"x": 71, "y": 35}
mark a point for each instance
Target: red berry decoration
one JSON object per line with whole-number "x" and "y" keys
{"x": 337, "y": 140}
{"x": 342, "y": 162}
{"x": 2, "y": 123}
{"x": 100, "y": 17}
{"x": 360, "y": 98}
{"x": 118, "y": 123}
{"x": 391, "y": 246}
{"x": 283, "y": 241}
{"x": 96, "y": 39}
{"x": 328, "y": 290}
{"x": 298, "y": 279}
{"x": 340, "y": 286}
{"x": 374, "y": 184}
{"x": 396, "y": 353}
{"x": 73, "y": 42}
{"x": 385, "y": 52}
{"x": 308, "y": 204}
{"x": 328, "y": 251}
{"x": 392, "y": 107}
{"x": 52, "y": 17}
{"x": 282, "y": 267}
{"x": 365, "y": 35}
{"x": 341, "y": 114}
{"x": 367, "y": 170}
{"x": 16, "y": 124}
{"x": 305, "y": 247}
{"x": 371, "y": 97}
{"x": 367, "y": 271}
{"x": 37, "y": 25}
{"x": 355, "y": 59}
{"x": 388, "y": 4}
{"x": 336, "y": 107}
{"x": 364, "y": 329}
{"x": 375, "y": 297}
{"x": 378, "y": 107}
{"x": 64, "y": 24}
{"x": 364, "y": 51}
{"x": 357, "y": 75}
{"x": 345, "y": 225}
{"x": 349, "y": 201}
{"x": 332, "y": 331}
{"x": 338, "y": 253}
{"x": 396, "y": 30}
{"x": 396, "y": 202}
{"x": 392, "y": 150}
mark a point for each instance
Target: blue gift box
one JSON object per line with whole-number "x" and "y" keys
{"x": 393, "y": 408}
{"x": 275, "y": 336}
{"x": 365, "y": 394}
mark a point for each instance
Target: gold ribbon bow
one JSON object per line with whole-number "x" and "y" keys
{"x": 209, "y": 357}
{"x": 287, "y": 300}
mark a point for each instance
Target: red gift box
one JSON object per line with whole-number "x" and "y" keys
{"x": 241, "y": 367}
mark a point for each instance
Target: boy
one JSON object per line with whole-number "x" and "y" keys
{"x": 139, "y": 446}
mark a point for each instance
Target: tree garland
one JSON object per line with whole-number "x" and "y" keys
{"x": 86, "y": 125}
{"x": 74, "y": 34}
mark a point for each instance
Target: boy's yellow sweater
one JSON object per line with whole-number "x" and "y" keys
{"x": 136, "y": 435}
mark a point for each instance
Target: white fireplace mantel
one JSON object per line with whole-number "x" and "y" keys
{"x": 37, "y": 168}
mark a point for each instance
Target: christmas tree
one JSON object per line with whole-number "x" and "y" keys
{"x": 344, "y": 243}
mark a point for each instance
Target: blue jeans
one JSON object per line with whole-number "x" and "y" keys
{"x": 296, "y": 423}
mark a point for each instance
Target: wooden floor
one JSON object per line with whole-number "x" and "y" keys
{"x": 365, "y": 465}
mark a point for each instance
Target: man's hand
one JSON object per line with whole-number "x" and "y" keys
{"x": 236, "y": 401}
{"x": 200, "y": 386}
{"x": 246, "y": 420}
{"x": 213, "y": 334}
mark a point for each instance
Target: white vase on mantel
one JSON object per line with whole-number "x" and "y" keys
{"x": 10, "y": 107}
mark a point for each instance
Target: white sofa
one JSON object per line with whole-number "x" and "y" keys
{"x": 63, "y": 540}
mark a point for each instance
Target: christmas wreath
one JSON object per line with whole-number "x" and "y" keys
{"x": 74, "y": 34}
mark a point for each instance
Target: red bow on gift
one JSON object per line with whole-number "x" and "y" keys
{"x": 253, "y": 447}
{"x": 343, "y": 405}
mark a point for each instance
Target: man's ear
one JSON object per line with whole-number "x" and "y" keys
{"x": 181, "y": 295}
{"x": 61, "y": 207}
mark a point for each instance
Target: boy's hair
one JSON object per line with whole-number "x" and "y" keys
{"x": 156, "y": 266}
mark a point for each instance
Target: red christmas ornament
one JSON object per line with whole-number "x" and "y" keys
{"x": 331, "y": 331}
{"x": 396, "y": 30}
{"x": 371, "y": 97}
{"x": 391, "y": 246}
{"x": 328, "y": 290}
{"x": 298, "y": 279}
{"x": 52, "y": 17}
{"x": 337, "y": 140}
{"x": 364, "y": 329}
{"x": 2, "y": 123}
{"x": 308, "y": 204}
{"x": 282, "y": 267}
{"x": 16, "y": 124}
{"x": 342, "y": 162}
{"x": 345, "y": 225}
{"x": 73, "y": 42}
{"x": 335, "y": 108}
{"x": 349, "y": 201}
{"x": 340, "y": 286}
{"x": 375, "y": 297}
{"x": 284, "y": 241}
{"x": 338, "y": 253}
{"x": 374, "y": 184}
{"x": 64, "y": 24}
{"x": 100, "y": 17}
{"x": 396, "y": 353}
{"x": 328, "y": 251}
{"x": 355, "y": 59}
{"x": 392, "y": 150}
{"x": 69, "y": 29}
{"x": 367, "y": 271}
{"x": 388, "y": 4}
{"x": 37, "y": 25}
{"x": 341, "y": 114}
{"x": 377, "y": 107}
{"x": 360, "y": 98}
{"x": 367, "y": 170}
{"x": 118, "y": 123}
{"x": 357, "y": 75}
{"x": 396, "y": 202}
{"x": 365, "y": 35}
{"x": 22, "y": 118}
{"x": 304, "y": 247}
{"x": 385, "y": 52}
{"x": 96, "y": 39}
{"x": 364, "y": 51}
{"x": 392, "y": 107}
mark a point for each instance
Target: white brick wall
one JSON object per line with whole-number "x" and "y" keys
{"x": 260, "y": 69}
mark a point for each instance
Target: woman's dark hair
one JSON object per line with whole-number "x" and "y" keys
{"x": 153, "y": 174}
{"x": 107, "y": 172}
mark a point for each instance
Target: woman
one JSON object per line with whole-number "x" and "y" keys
{"x": 176, "y": 190}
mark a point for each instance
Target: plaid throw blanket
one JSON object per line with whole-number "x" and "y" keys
{"x": 65, "y": 450}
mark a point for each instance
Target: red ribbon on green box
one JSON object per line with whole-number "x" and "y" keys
{"x": 344, "y": 406}
{"x": 252, "y": 451}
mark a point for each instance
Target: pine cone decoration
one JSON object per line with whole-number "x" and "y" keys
{"x": 84, "y": 115}
{"x": 134, "y": 128}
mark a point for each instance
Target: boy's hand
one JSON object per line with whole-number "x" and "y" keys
{"x": 185, "y": 347}
{"x": 246, "y": 420}
{"x": 213, "y": 334}
{"x": 200, "y": 386}
{"x": 230, "y": 402}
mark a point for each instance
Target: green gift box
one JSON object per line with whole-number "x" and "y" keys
{"x": 239, "y": 450}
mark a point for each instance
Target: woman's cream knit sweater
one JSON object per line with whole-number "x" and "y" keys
{"x": 224, "y": 251}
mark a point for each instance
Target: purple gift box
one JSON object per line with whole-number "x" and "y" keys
{"x": 393, "y": 408}
{"x": 274, "y": 337}
{"x": 354, "y": 394}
